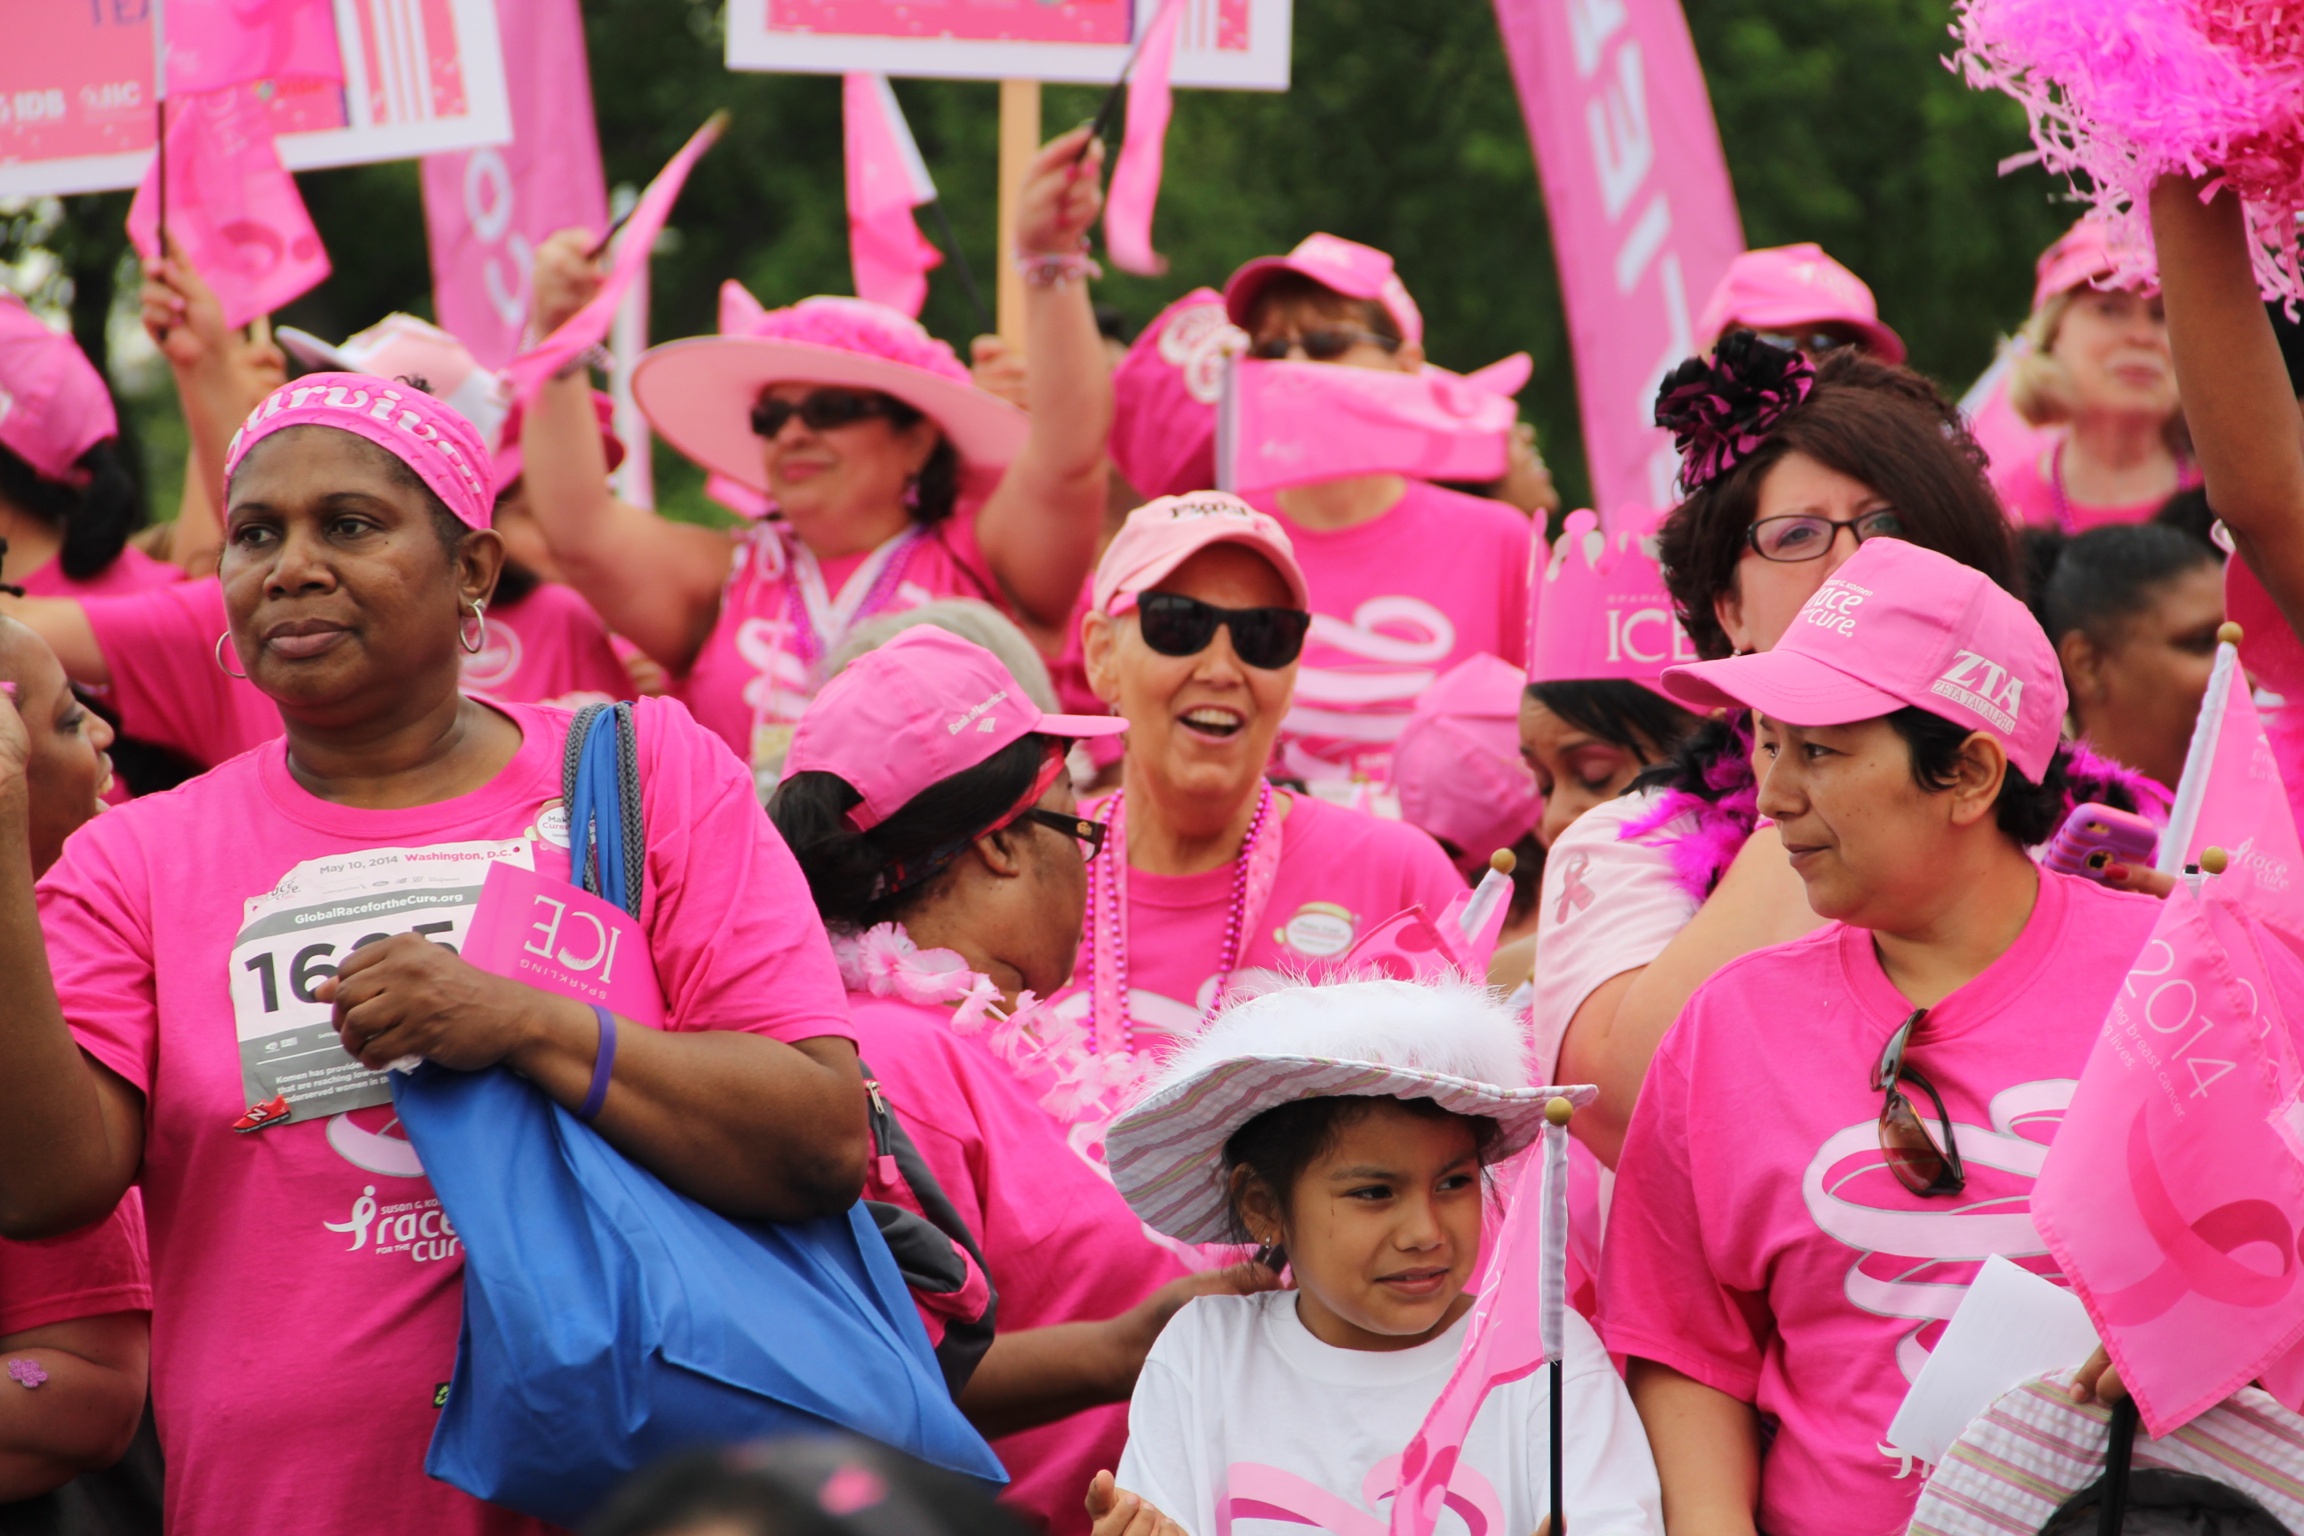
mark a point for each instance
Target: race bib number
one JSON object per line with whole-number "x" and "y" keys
{"x": 295, "y": 935}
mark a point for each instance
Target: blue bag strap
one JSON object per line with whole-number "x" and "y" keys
{"x": 600, "y": 785}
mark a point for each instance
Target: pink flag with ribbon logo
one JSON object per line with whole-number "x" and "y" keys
{"x": 233, "y": 209}
{"x": 1296, "y": 423}
{"x": 1643, "y": 218}
{"x": 589, "y": 326}
{"x": 1143, "y": 146}
{"x": 887, "y": 179}
{"x": 486, "y": 210}
{"x": 214, "y": 45}
{"x": 2173, "y": 1195}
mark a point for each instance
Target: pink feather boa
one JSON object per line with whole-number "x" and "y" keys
{"x": 2123, "y": 92}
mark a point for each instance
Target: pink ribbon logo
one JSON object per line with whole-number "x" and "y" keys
{"x": 1575, "y": 895}
{"x": 2198, "y": 1253}
{"x": 1256, "y": 1492}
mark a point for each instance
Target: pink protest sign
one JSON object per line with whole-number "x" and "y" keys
{"x": 2173, "y": 1196}
{"x": 1643, "y": 218}
{"x": 486, "y": 210}
{"x": 1066, "y": 21}
{"x": 1301, "y": 422}
{"x": 533, "y": 928}
{"x": 216, "y": 44}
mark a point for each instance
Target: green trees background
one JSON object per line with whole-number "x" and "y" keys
{"x": 1841, "y": 125}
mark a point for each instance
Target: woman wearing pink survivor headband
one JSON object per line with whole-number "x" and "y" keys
{"x": 1840, "y": 1128}
{"x": 233, "y": 963}
{"x": 888, "y": 476}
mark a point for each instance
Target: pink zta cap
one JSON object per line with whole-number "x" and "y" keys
{"x": 2085, "y": 255}
{"x": 1900, "y": 625}
{"x": 1788, "y": 286}
{"x": 1343, "y": 266}
{"x": 1601, "y": 608}
{"x": 1161, "y": 535}
{"x": 421, "y": 432}
{"x": 916, "y": 711}
{"x": 1457, "y": 767}
{"x": 53, "y": 403}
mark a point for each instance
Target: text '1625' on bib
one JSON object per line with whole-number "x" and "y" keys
{"x": 295, "y": 935}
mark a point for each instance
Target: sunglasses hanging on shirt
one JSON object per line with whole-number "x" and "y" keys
{"x": 1921, "y": 1163}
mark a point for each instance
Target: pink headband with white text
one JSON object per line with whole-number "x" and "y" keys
{"x": 425, "y": 434}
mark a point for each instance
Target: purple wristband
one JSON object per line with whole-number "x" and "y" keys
{"x": 603, "y": 1063}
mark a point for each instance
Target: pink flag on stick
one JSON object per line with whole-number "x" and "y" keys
{"x": 887, "y": 179}
{"x": 214, "y": 45}
{"x": 486, "y": 210}
{"x": 589, "y": 326}
{"x": 2231, "y": 796}
{"x": 1136, "y": 178}
{"x": 233, "y": 209}
{"x": 2173, "y": 1195}
{"x": 1297, "y": 423}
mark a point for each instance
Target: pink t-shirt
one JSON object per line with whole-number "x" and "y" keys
{"x": 133, "y": 571}
{"x": 306, "y": 1285}
{"x": 1757, "y": 1241}
{"x": 749, "y": 683}
{"x": 87, "y": 1273}
{"x": 1062, "y": 1245}
{"x": 1340, "y": 871}
{"x": 160, "y": 647}
{"x": 2027, "y": 487}
{"x": 1396, "y": 602}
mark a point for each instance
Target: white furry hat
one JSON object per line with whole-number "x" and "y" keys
{"x": 1449, "y": 1041}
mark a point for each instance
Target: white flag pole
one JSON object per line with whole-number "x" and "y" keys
{"x": 2200, "y": 757}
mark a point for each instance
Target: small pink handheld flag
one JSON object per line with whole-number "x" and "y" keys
{"x": 589, "y": 326}
{"x": 887, "y": 179}
{"x": 1136, "y": 178}
{"x": 2231, "y": 795}
{"x": 1301, "y": 422}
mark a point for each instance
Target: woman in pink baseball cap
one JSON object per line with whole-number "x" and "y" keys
{"x": 228, "y": 969}
{"x": 927, "y": 801}
{"x": 1811, "y": 1174}
{"x": 2093, "y": 360}
{"x": 1798, "y": 297}
{"x": 892, "y": 479}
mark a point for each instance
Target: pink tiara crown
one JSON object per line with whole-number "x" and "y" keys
{"x": 1601, "y": 607}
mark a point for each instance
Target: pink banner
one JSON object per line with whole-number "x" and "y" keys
{"x": 1302, "y": 422}
{"x": 486, "y": 210}
{"x": 1643, "y": 218}
{"x": 1066, "y": 21}
{"x": 887, "y": 179}
{"x": 1143, "y": 147}
{"x": 2173, "y": 1196}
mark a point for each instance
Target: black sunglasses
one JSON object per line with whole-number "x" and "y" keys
{"x": 1790, "y": 539}
{"x": 1265, "y": 638}
{"x": 1323, "y": 344}
{"x": 1089, "y": 833}
{"x": 821, "y": 409}
{"x": 1920, "y": 1162}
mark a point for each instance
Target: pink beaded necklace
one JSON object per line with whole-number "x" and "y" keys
{"x": 1253, "y": 873}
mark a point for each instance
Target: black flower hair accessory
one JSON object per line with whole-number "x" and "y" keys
{"x": 1720, "y": 409}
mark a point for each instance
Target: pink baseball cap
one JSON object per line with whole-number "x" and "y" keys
{"x": 1900, "y": 625}
{"x": 1793, "y": 285}
{"x": 53, "y": 403}
{"x": 1162, "y": 534}
{"x": 1344, "y": 266}
{"x": 1602, "y": 610}
{"x": 914, "y": 712}
{"x": 1164, "y": 396}
{"x": 2084, "y": 255}
{"x": 1457, "y": 767}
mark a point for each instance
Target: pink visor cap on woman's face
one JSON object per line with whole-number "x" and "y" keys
{"x": 1161, "y": 535}
{"x": 2083, "y": 256}
{"x": 916, "y": 711}
{"x": 1343, "y": 266}
{"x": 425, "y": 434}
{"x": 1900, "y": 625}
{"x": 1786, "y": 287}
{"x": 53, "y": 404}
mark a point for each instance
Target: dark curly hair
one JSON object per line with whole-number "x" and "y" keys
{"x": 96, "y": 516}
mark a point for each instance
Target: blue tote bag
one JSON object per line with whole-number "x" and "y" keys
{"x": 610, "y": 1319}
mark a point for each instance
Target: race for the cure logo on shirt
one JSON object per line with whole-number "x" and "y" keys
{"x": 1834, "y": 606}
{"x": 294, "y": 936}
{"x": 1983, "y": 685}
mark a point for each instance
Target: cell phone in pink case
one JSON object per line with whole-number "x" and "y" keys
{"x": 2095, "y": 837}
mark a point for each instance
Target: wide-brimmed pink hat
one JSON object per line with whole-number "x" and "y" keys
{"x": 2082, "y": 255}
{"x": 1899, "y": 625}
{"x": 698, "y": 393}
{"x": 1786, "y": 286}
{"x": 1161, "y": 535}
{"x": 53, "y": 403}
{"x": 916, "y": 711}
{"x": 1457, "y": 766}
{"x": 1344, "y": 266}
{"x": 1602, "y": 611}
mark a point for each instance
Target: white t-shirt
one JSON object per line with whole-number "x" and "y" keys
{"x": 1240, "y": 1406}
{"x": 1608, "y": 906}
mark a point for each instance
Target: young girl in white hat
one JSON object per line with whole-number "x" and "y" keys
{"x": 1346, "y": 1129}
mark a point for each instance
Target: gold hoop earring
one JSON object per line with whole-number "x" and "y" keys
{"x": 474, "y": 647}
{"x": 221, "y": 664}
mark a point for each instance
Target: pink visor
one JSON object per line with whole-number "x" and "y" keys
{"x": 1601, "y": 608}
{"x": 423, "y": 433}
{"x": 1786, "y": 287}
{"x": 1161, "y": 535}
{"x": 916, "y": 711}
{"x": 53, "y": 403}
{"x": 2083, "y": 255}
{"x": 400, "y": 346}
{"x": 1899, "y": 625}
{"x": 1457, "y": 767}
{"x": 1343, "y": 266}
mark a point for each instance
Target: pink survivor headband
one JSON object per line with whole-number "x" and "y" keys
{"x": 425, "y": 434}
